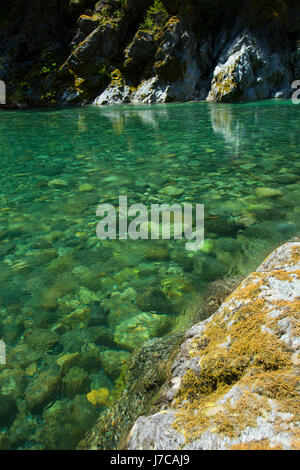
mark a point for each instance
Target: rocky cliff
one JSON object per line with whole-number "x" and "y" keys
{"x": 146, "y": 51}
{"x": 235, "y": 382}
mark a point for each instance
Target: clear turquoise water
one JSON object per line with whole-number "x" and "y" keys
{"x": 72, "y": 307}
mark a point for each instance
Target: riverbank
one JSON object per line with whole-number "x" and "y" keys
{"x": 148, "y": 51}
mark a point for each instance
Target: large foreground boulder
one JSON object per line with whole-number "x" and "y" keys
{"x": 235, "y": 383}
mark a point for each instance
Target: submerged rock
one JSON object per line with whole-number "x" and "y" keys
{"x": 66, "y": 361}
{"x": 86, "y": 187}
{"x": 264, "y": 192}
{"x": 145, "y": 373}
{"x": 157, "y": 253}
{"x": 41, "y": 339}
{"x": 234, "y": 384}
{"x": 112, "y": 360}
{"x": 172, "y": 191}
{"x": 42, "y": 390}
{"x": 57, "y": 183}
{"x": 136, "y": 330}
{"x": 8, "y": 407}
{"x": 4, "y": 442}
{"x": 98, "y": 397}
{"x": 208, "y": 268}
{"x": 75, "y": 382}
{"x": 65, "y": 422}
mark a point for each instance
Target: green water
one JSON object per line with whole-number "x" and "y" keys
{"x": 72, "y": 307}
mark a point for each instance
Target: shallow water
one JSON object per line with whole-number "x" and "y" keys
{"x": 72, "y": 307}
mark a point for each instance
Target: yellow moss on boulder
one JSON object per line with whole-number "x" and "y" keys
{"x": 224, "y": 84}
{"x": 235, "y": 384}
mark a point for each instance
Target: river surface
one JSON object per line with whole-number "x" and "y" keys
{"x": 73, "y": 307}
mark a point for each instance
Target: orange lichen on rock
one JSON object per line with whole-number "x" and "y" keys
{"x": 239, "y": 386}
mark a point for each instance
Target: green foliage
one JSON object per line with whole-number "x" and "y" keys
{"x": 104, "y": 73}
{"x": 48, "y": 62}
{"x": 119, "y": 14}
{"x": 156, "y": 16}
{"x": 49, "y": 98}
{"x": 106, "y": 11}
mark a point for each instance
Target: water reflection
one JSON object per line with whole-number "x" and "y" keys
{"x": 148, "y": 115}
{"x": 229, "y": 126}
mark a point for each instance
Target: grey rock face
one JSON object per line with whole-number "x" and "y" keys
{"x": 102, "y": 41}
{"x": 247, "y": 70}
{"x": 176, "y": 70}
{"x": 142, "y": 46}
{"x": 161, "y": 57}
{"x": 148, "y": 431}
